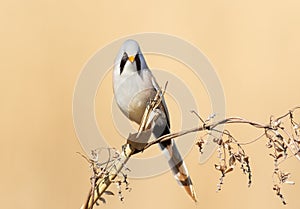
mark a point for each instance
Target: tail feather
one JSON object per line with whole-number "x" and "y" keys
{"x": 175, "y": 160}
{"x": 178, "y": 167}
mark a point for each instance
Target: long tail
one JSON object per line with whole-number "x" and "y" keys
{"x": 178, "y": 166}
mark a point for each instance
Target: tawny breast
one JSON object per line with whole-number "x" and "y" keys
{"x": 139, "y": 103}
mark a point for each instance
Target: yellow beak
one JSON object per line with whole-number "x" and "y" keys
{"x": 131, "y": 59}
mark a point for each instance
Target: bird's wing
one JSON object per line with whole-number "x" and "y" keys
{"x": 163, "y": 102}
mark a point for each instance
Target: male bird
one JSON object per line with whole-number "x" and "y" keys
{"x": 134, "y": 86}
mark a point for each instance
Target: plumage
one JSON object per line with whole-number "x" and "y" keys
{"x": 134, "y": 86}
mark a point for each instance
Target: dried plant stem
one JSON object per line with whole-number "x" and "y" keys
{"x": 103, "y": 183}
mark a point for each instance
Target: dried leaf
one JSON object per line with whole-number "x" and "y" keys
{"x": 284, "y": 176}
{"x": 279, "y": 156}
{"x": 219, "y": 142}
{"x": 289, "y": 182}
{"x": 218, "y": 167}
{"x": 231, "y": 160}
{"x": 102, "y": 200}
{"x": 246, "y": 159}
{"x": 221, "y": 168}
{"x": 228, "y": 170}
{"x": 108, "y": 192}
{"x": 279, "y": 136}
{"x": 200, "y": 144}
{"x": 269, "y": 145}
{"x": 279, "y": 149}
{"x": 238, "y": 157}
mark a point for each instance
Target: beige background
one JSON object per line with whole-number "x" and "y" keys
{"x": 253, "y": 45}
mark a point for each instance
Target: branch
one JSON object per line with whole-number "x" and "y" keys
{"x": 104, "y": 181}
{"x": 134, "y": 143}
{"x": 105, "y": 175}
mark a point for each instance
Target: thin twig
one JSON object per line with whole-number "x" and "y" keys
{"x": 110, "y": 172}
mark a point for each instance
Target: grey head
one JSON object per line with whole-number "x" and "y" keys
{"x": 129, "y": 59}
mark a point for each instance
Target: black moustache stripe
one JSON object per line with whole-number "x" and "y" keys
{"x": 123, "y": 62}
{"x": 138, "y": 63}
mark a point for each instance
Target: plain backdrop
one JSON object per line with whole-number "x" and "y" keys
{"x": 253, "y": 45}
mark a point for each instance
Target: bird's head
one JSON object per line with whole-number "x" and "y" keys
{"x": 130, "y": 58}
